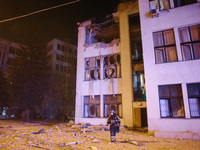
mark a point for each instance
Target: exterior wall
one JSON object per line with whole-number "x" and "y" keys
{"x": 4, "y": 52}
{"x": 122, "y": 85}
{"x": 180, "y": 72}
{"x": 100, "y": 87}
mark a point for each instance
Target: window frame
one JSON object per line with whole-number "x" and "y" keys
{"x": 164, "y": 47}
{"x": 194, "y": 96}
{"x": 89, "y": 104}
{"x": 169, "y": 100}
{"x": 108, "y": 66}
{"x": 189, "y": 43}
{"x": 119, "y": 111}
{"x": 96, "y": 68}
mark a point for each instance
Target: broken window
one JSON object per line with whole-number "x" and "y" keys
{"x": 112, "y": 66}
{"x": 190, "y": 42}
{"x": 92, "y": 68}
{"x": 92, "y": 106}
{"x": 171, "y": 101}
{"x": 138, "y": 86}
{"x": 102, "y": 32}
{"x": 161, "y": 4}
{"x": 194, "y": 99}
{"x": 164, "y": 46}
{"x": 113, "y": 102}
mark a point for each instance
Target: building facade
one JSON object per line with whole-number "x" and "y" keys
{"x": 62, "y": 58}
{"x": 171, "y": 50}
{"x": 106, "y": 61}
{"x": 8, "y": 51}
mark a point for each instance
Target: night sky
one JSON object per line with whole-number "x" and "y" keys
{"x": 60, "y": 23}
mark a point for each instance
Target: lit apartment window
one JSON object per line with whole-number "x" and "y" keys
{"x": 194, "y": 99}
{"x": 190, "y": 42}
{"x": 171, "y": 101}
{"x": 92, "y": 106}
{"x": 164, "y": 46}
{"x": 113, "y": 102}
{"x": 178, "y": 3}
{"x": 112, "y": 66}
{"x": 92, "y": 68}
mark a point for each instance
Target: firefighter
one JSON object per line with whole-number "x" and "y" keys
{"x": 114, "y": 122}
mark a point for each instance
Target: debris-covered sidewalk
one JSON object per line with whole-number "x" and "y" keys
{"x": 40, "y": 135}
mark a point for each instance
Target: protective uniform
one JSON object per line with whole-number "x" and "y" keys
{"x": 114, "y": 122}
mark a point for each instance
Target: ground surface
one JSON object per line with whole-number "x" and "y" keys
{"x": 17, "y": 135}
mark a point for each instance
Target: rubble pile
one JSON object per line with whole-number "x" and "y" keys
{"x": 38, "y": 135}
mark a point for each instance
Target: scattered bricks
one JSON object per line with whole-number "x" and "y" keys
{"x": 96, "y": 141}
{"x": 71, "y": 143}
{"x": 62, "y": 144}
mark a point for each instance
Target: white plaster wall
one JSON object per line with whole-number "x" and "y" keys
{"x": 100, "y": 87}
{"x": 180, "y": 72}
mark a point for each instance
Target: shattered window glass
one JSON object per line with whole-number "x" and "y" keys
{"x": 92, "y": 106}
{"x": 112, "y": 66}
{"x": 113, "y": 102}
{"x": 92, "y": 68}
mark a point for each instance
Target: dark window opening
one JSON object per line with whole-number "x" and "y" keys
{"x": 102, "y": 32}
{"x": 171, "y": 101}
{"x": 178, "y": 3}
{"x": 135, "y": 38}
{"x": 194, "y": 99}
{"x": 138, "y": 86}
{"x": 92, "y": 106}
{"x": 112, "y": 66}
{"x": 12, "y": 50}
{"x": 113, "y": 102}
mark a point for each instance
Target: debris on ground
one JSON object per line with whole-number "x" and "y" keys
{"x": 42, "y": 135}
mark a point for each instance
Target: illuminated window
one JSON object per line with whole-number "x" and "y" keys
{"x": 190, "y": 42}
{"x": 164, "y": 46}
{"x": 171, "y": 101}
{"x": 92, "y": 106}
{"x": 113, "y": 102}
{"x": 194, "y": 99}
{"x": 92, "y": 68}
{"x": 112, "y": 66}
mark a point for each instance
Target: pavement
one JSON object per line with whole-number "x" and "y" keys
{"x": 18, "y": 135}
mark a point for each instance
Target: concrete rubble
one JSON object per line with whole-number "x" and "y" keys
{"x": 37, "y": 135}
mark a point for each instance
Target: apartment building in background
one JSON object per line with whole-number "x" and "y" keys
{"x": 62, "y": 58}
{"x": 171, "y": 48}
{"x": 8, "y": 51}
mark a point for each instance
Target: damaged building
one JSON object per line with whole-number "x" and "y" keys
{"x": 150, "y": 67}
{"x": 110, "y": 72}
